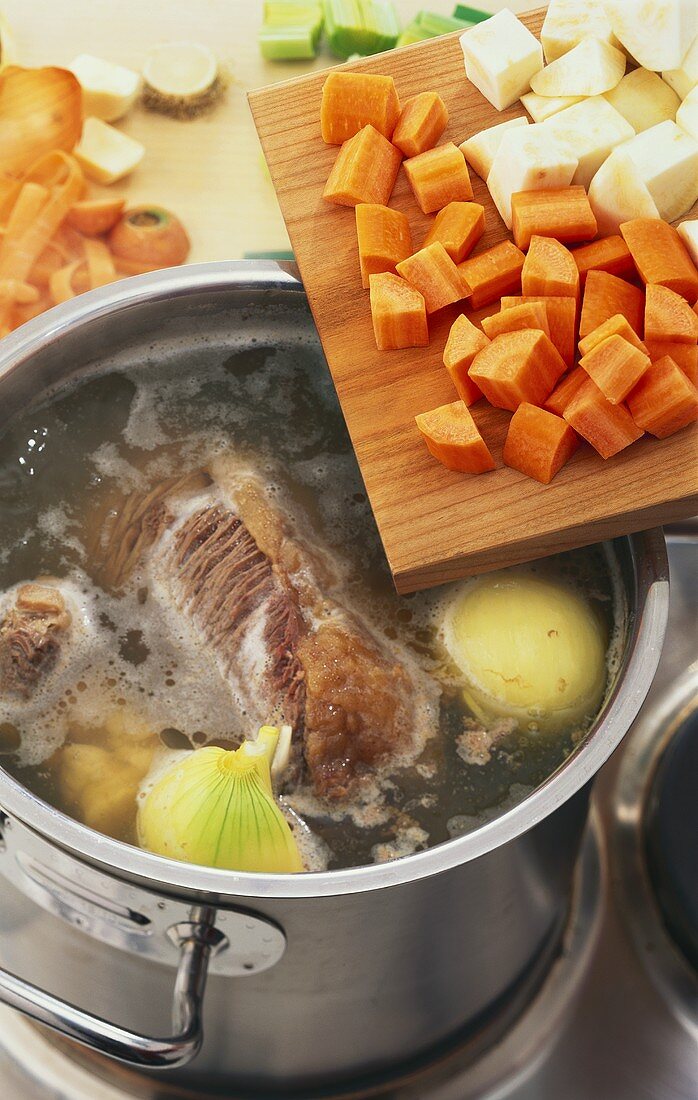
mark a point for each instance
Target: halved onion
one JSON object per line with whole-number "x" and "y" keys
{"x": 40, "y": 110}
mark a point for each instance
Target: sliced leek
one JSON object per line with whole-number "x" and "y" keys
{"x": 290, "y": 30}
{"x": 360, "y": 26}
{"x": 428, "y": 24}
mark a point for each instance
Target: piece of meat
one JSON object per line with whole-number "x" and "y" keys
{"x": 31, "y": 634}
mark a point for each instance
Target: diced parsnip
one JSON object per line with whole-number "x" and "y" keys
{"x": 655, "y": 33}
{"x": 616, "y": 366}
{"x": 664, "y": 401}
{"x": 541, "y": 107}
{"x": 562, "y": 320}
{"x": 439, "y": 176}
{"x": 538, "y": 443}
{"x": 643, "y": 99}
{"x": 453, "y": 438}
{"x": 549, "y": 270}
{"x": 591, "y": 68}
{"x": 604, "y": 297}
{"x": 608, "y": 427}
{"x": 398, "y": 312}
{"x": 567, "y": 22}
{"x": 687, "y": 115}
{"x": 614, "y": 326}
{"x": 529, "y": 159}
{"x": 668, "y": 316}
{"x": 365, "y": 170}
{"x": 480, "y": 149}
{"x": 618, "y": 193}
{"x": 684, "y": 79}
{"x": 565, "y": 390}
{"x": 660, "y": 256}
{"x": 527, "y": 315}
{"x": 465, "y": 340}
{"x": 518, "y": 366}
{"x": 609, "y": 254}
{"x": 351, "y": 101}
{"x": 422, "y": 121}
{"x": 384, "y": 239}
{"x": 684, "y": 355}
{"x": 106, "y": 154}
{"x": 459, "y": 227}
{"x": 434, "y": 274}
{"x": 688, "y": 231}
{"x": 591, "y": 129}
{"x": 501, "y": 56}
{"x": 491, "y": 274}
{"x": 108, "y": 90}
{"x": 667, "y": 161}
{"x": 563, "y": 213}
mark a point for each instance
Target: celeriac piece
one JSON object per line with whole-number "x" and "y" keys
{"x": 591, "y": 68}
{"x": 655, "y": 32}
{"x": 643, "y": 99}
{"x": 687, "y": 115}
{"x": 104, "y": 153}
{"x": 618, "y": 193}
{"x": 180, "y": 79}
{"x": 666, "y": 158}
{"x": 541, "y": 107}
{"x": 684, "y": 79}
{"x": 501, "y": 56}
{"x": 108, "y": 90}
{"x": 590, "y": 129}
{"x": 480, "y": 149}
{"x": 688, "y": 232}
{"x": 567, "y": 22}
{"x": 529, "y": 159}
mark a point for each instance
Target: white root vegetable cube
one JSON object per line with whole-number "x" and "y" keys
{"x": 529, "y": 159}
{"x": 687, "y": 114}
{"x": 108, "y": 90}
{"x": 667, "y": 160}
{"x": 654, "y": 32}
{"x": 689, "y": 232}
{"x": 105, "y": 154}
{"x": 591, "y": 68}
{"x": 541, "y": 107}
{"x": 591, "y": 129}
{"x": 567, "y": 22}
{"x": 480, "y": 149}
{"x": 617, "y": 194}
{"x": 643, "y": 99}
{"x": 684, "y": 79}
{"x": 501, "y": 56}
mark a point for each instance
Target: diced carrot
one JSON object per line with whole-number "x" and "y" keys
{"x": 565, "y": 390}
{"x": 562, "y": 321}
{"x": 528, "y": 315}
{"x": 684, "y": 355}
{"x": 422, "y": 121}
{"x": 610, "y": 254}
{"x": 384, "y": 238}
{"x": 660, "y": 255}
{"x": 438, "y": 177}
{"x": 614, "y": 326}
{"x": 491, "y": 274}
{"x": 616, "y": 366}
{"x": 668, "y": 316}
{"x": 561, "y": 212}
{"x": 549, "y": 270}
{"x": 604, "y": 296}
{"x": 517, "y": 366}
{"x": 95, "y": 216}
{"x": 538, "y": 443}
{"x": 609, "y": 428}
{"x": 465, "y": 340}
{"x": 452, "y": 436}
{"x": 365, "y": 170}
{"x": 351, "y": 101}
{"x": 459, "y": 227}
{"x": 434, "y": 274}
{"x": 398, "y": 312}
{"x": 664, "y": 401}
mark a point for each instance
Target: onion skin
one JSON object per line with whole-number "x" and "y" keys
{"x": 93, "y": 217}
{"x": 40, "y": 110}
{"x": 149, "y": 237}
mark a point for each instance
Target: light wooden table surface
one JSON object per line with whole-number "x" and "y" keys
{"x": 209, "y": 171}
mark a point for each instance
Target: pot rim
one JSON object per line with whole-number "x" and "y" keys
{"x": 643, "y": 650}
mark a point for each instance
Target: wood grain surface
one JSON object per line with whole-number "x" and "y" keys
{"x": 437, "y": 525}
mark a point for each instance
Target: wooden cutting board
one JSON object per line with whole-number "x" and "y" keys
{"x": 437, "y": 525}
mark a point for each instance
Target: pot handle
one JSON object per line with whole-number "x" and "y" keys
{"x": 197, "y": 941}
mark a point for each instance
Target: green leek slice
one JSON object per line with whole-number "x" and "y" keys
{"x": 290, "y": 30}
{"x": 470, "y": 15}
{"x": 429, "y": 24}
{"x": 360, "y": 26}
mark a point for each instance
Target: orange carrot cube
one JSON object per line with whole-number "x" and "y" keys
{"x": 684, "y": 355}
{"x": 452, "y": 436}
{"x": 438, "y": 177}
{"x": 604, "y": 296}
{"x": 527, "y": 315}
{"x": 660, "y": 256}
{"x": 434, "y": 274}
{"x": 491, "y": 274}
{"x": 365, "y": 170}
{"x": 562, "y": 320}
{"x": 668, "y": 316}
{"x": 565, "y": 390}
{"x": 465, "y": 340}
{"x": 351, "y": 101}
{"x": 610, "y": 254}
{"x": 616, "y": 366}
{"x": 459, "y": 227}
{"x": 549, "y": 270}
{"x": 398, "y": 312}
{"x": 538, "y": 443}
{"x": 614, "y": 326}
{"x": 384, "y": 238}
{"x": 608, "y": 427}
{"x": 664, "y": 401}
{"x": 421, "y": 123}
{"x": 561, "y": 212}
{"x": 517, "y": 366}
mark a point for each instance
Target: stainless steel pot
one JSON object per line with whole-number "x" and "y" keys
{"x": 314, "y": 978}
